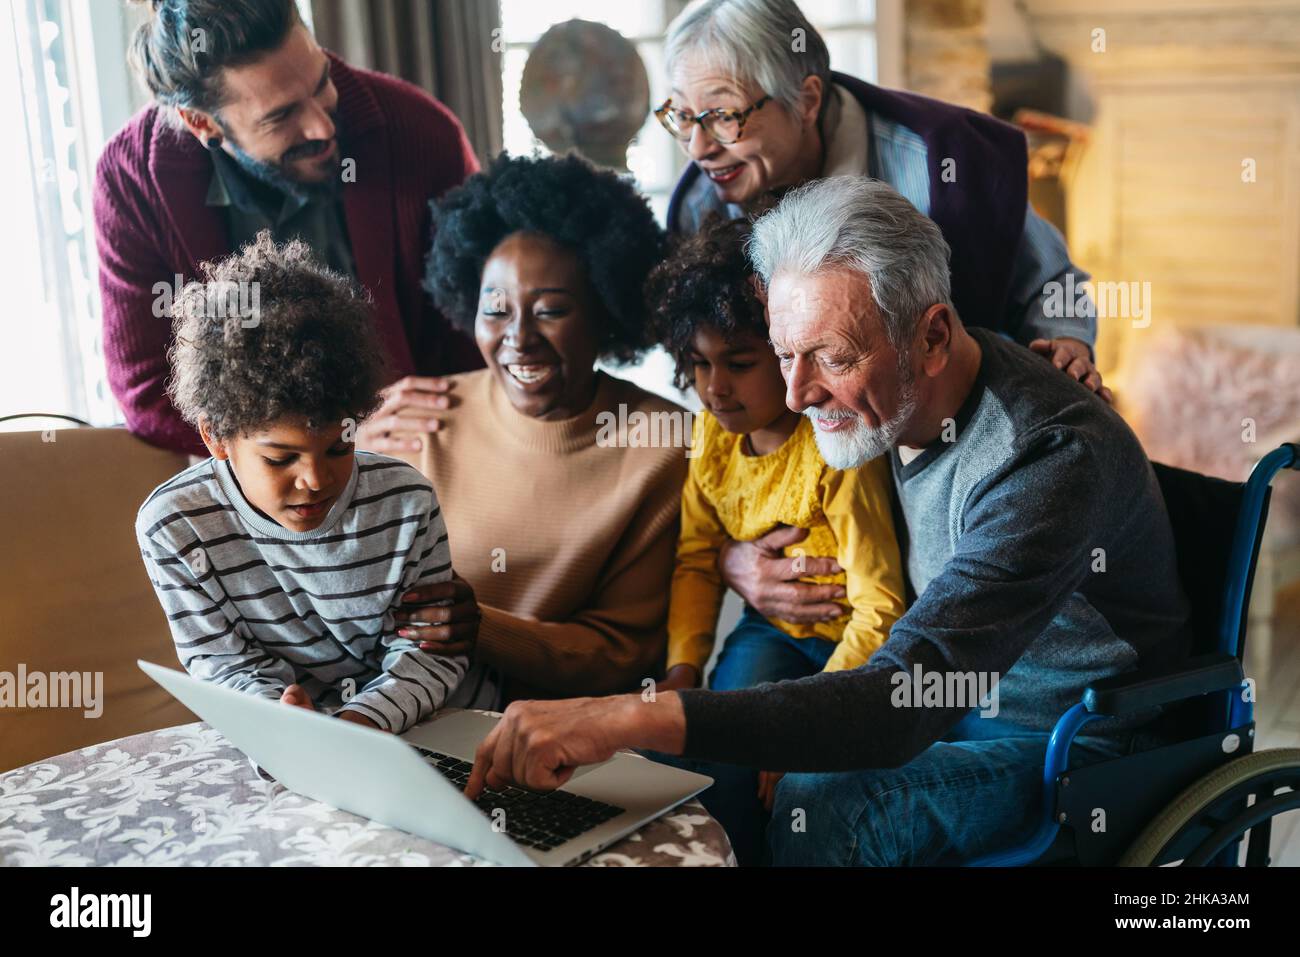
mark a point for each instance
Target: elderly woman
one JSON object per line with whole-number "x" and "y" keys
{"x": 564, "y": 531}
{"x": 759, "y": 112}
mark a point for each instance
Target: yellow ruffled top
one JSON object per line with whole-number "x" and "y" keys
{"x": 729, "y": 494}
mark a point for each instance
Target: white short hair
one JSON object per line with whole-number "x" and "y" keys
{"x": 753, "y": 41}
{"x": 862, "y": 224}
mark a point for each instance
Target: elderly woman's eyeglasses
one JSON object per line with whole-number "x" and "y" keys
{"x": 726, "y": 126}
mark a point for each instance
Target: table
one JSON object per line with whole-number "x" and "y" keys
{"x": 184, "y": 796}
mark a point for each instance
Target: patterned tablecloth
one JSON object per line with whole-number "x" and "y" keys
{"x": 184, "y": 796}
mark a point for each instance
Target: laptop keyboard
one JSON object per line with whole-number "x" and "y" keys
{"x": 542, "y": 821}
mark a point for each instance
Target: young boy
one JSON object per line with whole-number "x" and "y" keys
{"x": 282, "y": 559}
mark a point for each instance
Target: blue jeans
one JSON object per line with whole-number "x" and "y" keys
{"x": 977, "y": 790}
{"x": 756, "y": 651}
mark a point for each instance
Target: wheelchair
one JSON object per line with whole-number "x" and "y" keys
{"x": 1195, "y": 801}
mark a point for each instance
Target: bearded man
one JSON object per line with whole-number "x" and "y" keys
{"x": 253, "y": 126}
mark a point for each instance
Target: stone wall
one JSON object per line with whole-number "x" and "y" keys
{"x": 946, "y": 51}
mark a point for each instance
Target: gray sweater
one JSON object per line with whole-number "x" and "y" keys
{"x": 1041, "y": 555}
{"x": 256, "y": 607}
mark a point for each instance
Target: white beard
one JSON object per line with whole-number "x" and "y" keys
{"x": 860, "y": 443}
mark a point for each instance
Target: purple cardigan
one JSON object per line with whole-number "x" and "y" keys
{"x": 982, "y": 214}
{"x": 152, "y": 224}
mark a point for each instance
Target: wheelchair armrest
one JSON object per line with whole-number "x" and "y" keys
{"x": 1132, "y": 692}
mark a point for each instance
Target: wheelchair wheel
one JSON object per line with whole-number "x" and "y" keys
{"x": 1216, "y": 807}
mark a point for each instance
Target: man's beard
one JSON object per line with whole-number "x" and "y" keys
{"x": 858, "y": 444}
{"x": 276, "y": 176}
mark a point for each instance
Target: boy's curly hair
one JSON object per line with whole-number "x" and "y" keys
{"x": 706, "y": 281}
{"x": 306, "y": 348}
{"x": 596, "y": 213}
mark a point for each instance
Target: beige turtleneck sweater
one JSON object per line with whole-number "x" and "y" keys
{"x": 569, "y": 545}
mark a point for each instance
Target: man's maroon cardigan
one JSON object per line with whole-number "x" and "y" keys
{"x": 152, "y": 224}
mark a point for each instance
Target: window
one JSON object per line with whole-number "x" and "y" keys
{"x": 51, "y": 360}
{"x": 653, "y": 158}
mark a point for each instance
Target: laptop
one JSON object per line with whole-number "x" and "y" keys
{"x": 413, "y": 782}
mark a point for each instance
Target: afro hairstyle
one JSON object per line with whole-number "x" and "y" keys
{"x": 596, "y": 213}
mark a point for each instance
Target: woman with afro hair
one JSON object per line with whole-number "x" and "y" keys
{"x": 565, "y": 532}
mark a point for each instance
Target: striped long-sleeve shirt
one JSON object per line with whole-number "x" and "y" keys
{"x": 257, "y": 607}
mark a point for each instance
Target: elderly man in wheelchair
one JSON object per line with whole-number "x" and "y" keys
{"x": 1098, "y": 600}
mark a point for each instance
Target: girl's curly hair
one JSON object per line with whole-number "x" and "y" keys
{"x": 706, "y": 282}
{"x": 270, "y": 333}
{"x": 596, "y": 213}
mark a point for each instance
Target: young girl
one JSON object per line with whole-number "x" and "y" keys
{"x": 755, "y": 466}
